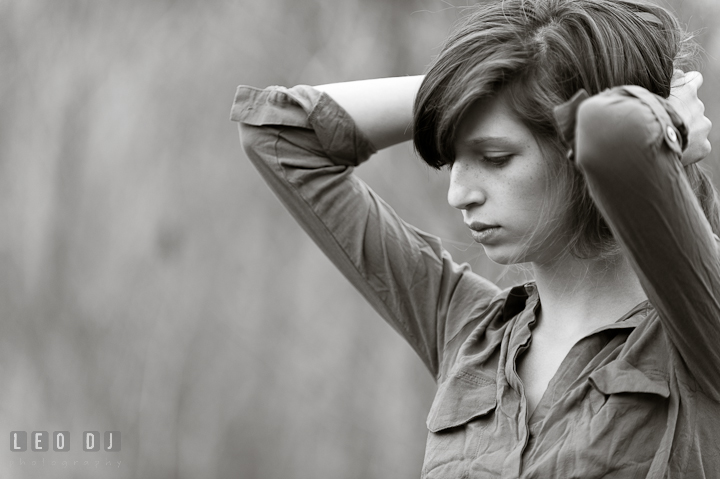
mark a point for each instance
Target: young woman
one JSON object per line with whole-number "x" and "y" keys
{"x": 568, "y": 150}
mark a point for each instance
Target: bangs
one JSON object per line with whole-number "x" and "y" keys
{"x": 438, "y": 116}
{"x": 542, "y": 52}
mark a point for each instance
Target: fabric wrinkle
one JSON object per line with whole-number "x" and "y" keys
{"x": 635, "y": 398}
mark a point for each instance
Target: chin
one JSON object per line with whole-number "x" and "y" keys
{"x": 505, "y": 255}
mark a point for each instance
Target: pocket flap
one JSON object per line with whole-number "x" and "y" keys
{"x": 622, "y": 377}
{"x": 464, "y": 396}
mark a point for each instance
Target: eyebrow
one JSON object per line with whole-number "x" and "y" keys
{"x": 495, "y": 140}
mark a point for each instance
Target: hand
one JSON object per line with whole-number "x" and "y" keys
{"x": 684, "y": 99}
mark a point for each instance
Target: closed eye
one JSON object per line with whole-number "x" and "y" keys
{"x": 493, "y": 161}
{"x": 497, "y": 161}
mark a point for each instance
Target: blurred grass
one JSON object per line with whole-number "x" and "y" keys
{"x": 150, "y": 282}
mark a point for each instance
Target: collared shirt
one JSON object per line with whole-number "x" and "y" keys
{"x": 636, "y": 398}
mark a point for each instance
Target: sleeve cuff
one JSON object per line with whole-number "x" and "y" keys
{"x": 674, "y": 130}
{"x": 304, "y": 107}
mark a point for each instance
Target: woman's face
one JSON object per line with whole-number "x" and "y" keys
{"x": 499, "y": 180}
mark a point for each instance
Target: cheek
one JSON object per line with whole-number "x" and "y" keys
{"x": 535, "y": 174}
{"x": 550, "y": 199}
{"x": 527, "y": 190}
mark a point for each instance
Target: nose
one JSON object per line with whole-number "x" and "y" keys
{"x": 465, "y": 189}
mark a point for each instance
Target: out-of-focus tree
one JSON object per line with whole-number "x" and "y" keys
{"x": 151, "y": 284}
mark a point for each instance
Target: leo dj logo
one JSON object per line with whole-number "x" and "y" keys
{"x": 40, "y": 441}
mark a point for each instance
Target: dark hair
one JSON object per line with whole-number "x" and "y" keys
{"x": 537, "y": 54}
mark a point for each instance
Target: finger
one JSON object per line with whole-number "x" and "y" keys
{"x": 694, "y": 78}
{"x": 707, "y": 126}
{"x": 677, "y": 78}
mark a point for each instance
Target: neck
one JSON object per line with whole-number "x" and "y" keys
{"x": 579, "y": 295}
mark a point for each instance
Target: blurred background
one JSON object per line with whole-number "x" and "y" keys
{"x": 151, "y": 284}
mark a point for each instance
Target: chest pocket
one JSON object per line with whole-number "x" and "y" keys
{"x": 618, "y": 425}
{"x": 462, "y": 397}
{"x": 621, "y": 377}
{"x": 620, "y": 382}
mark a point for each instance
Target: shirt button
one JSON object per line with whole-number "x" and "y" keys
{"x": 672, "y": 136}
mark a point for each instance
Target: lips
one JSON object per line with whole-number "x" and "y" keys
{"x": 479, "y": 226}
{"x": 483, "y": 232}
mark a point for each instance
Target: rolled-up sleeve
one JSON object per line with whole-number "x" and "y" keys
{"x": 305, "y": 146}
{"x": 629, "y": 149}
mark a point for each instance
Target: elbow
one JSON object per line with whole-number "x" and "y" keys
{"x": 257, "y": 141}
{"x": 615, "y": 134}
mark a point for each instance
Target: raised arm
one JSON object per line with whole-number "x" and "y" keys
{"x": 382, "y": 108}
{"x": 630, "y": 150}
{"x": 305, "y": 145}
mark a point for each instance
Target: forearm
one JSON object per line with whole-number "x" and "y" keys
{"x": 381, "y": 108}
{"x": 629, "y": 152}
